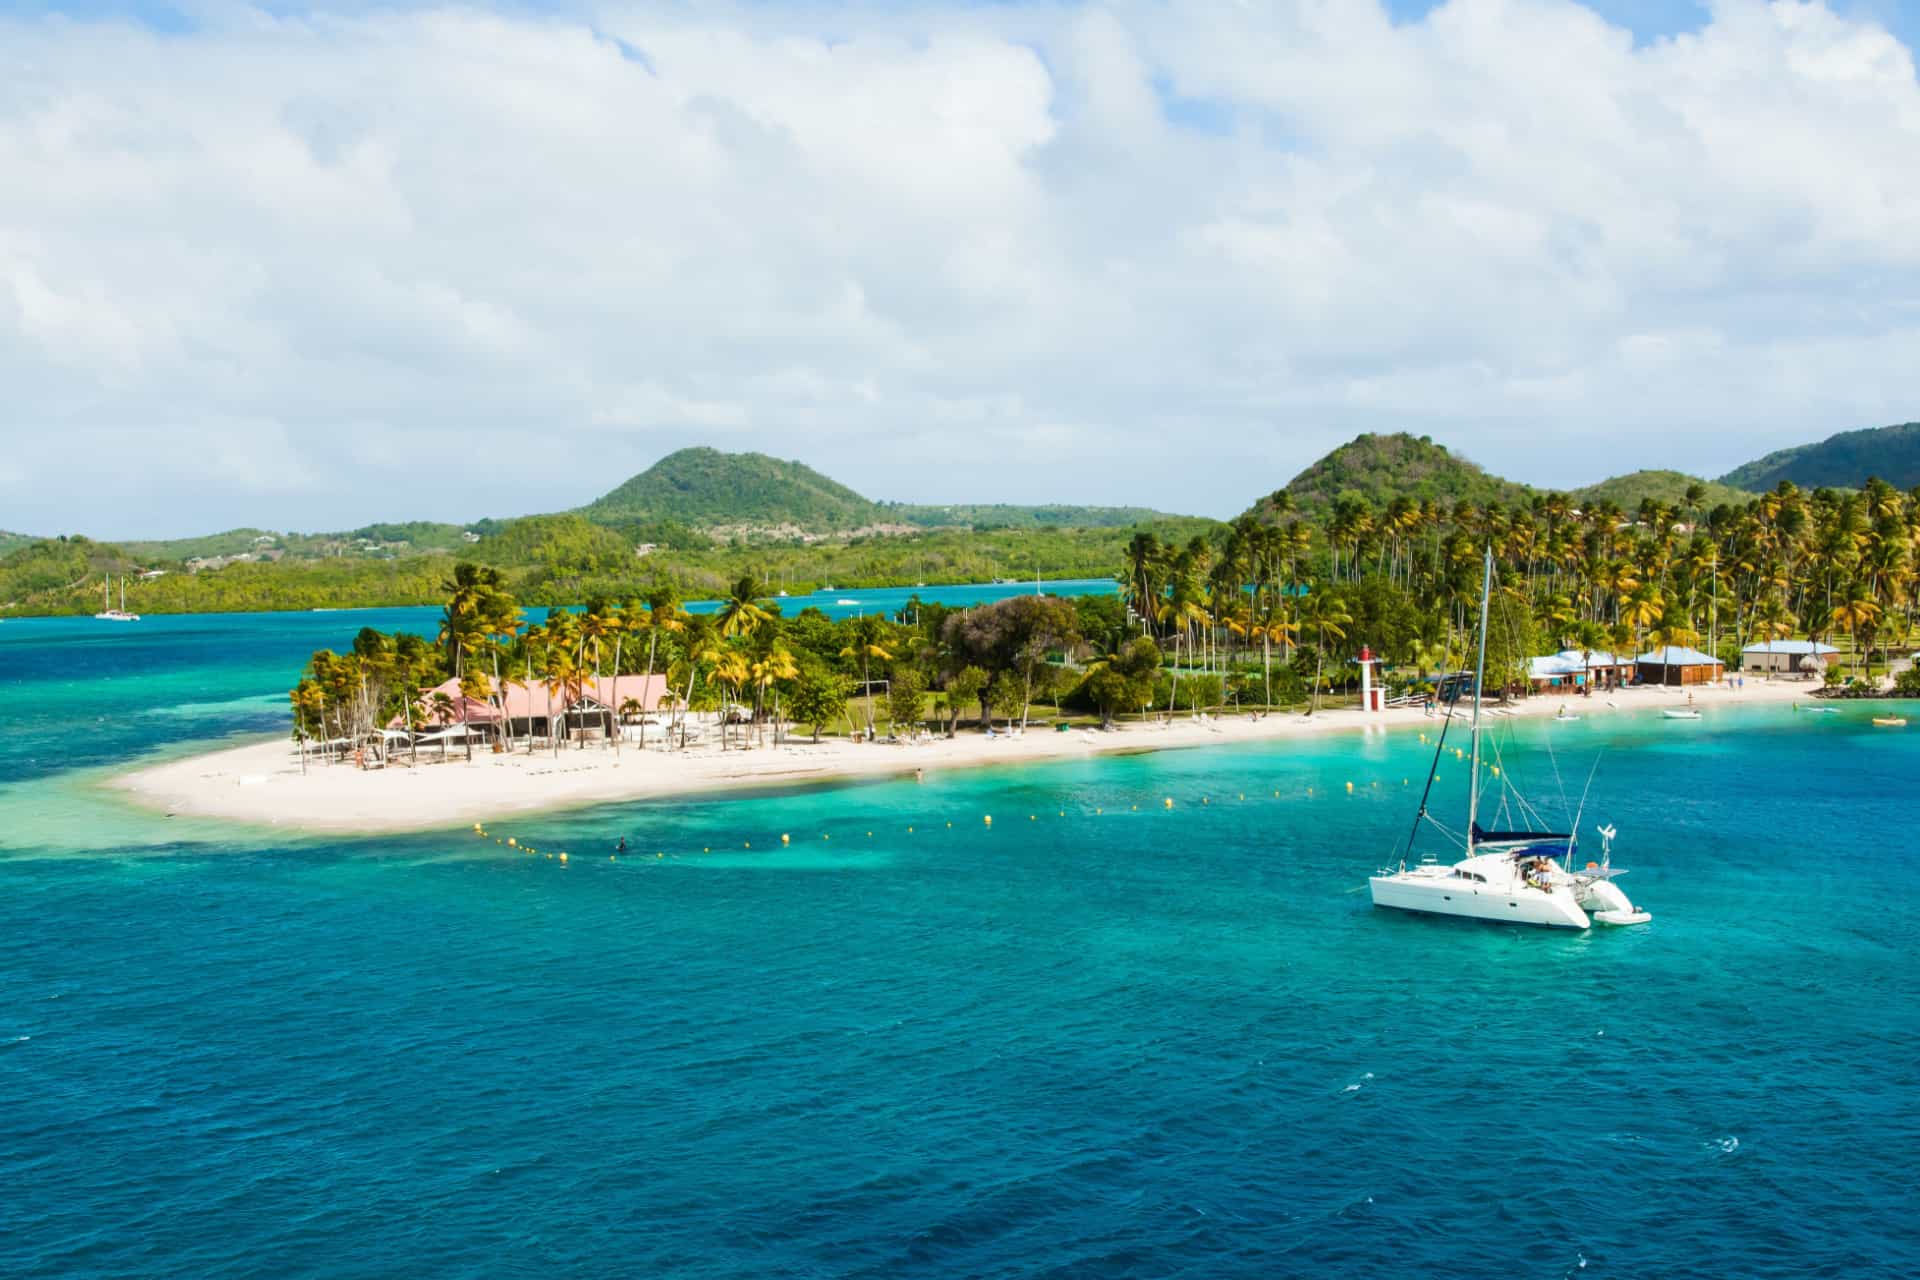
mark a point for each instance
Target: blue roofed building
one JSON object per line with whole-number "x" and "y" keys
{"x": 1578, "y": 671}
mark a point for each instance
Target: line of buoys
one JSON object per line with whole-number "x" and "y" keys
{"x": 786, "y": 838}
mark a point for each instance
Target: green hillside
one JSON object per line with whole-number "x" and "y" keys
{"x": 1668, "y": 487}
{"x": 1844, "y": 461}
{"x": 11, "y": 542}
{"x": 1380, "y": 468}
{"x": 1002, "y": 515}
{"x": 705, "y": 488}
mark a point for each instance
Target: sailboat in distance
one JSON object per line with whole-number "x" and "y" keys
{"x": 1511, "y": 876}
{"x": 109, "y": 613}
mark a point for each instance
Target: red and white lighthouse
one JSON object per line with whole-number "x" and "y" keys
{"x": 1372, "y": 696}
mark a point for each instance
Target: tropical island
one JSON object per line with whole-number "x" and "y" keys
{"x": 1251, "y": 628}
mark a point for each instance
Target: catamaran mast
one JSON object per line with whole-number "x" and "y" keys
{"x": 1479, "y": 675}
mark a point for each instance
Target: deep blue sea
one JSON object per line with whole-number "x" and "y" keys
{"x": 1099, "y": 1037}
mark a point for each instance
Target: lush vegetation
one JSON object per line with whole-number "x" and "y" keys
{"x": 549, "y": 560}
{"x": 1000, "y": 515}
{"x": 1842, "y": 461}
{"x": 1675, "y": 489}
{"x": 706, "y": 488}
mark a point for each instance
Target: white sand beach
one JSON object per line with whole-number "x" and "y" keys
{"x": 262, "y": 783}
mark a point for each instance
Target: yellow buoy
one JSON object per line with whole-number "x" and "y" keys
{"x": 746, "y": 844}
{"x": 988, "y": 820}
{"x": 1496, "y": 771}
{"x": 909, "y": 830}
{"x": 869, "y": 835}
{"x": 1063, "y": 813}
{"x": 706, "y": 848}
{"x": 1033, "y": 817}
{"x": 1169, "y": 802}
{"x": 513, "y": 842}
{"x": 785, "y": 838}
{"x": 613, "y": 858}
{"x": 563, "y": 856}
{"x": 1349, "y": 788}
{"x": 949, "y": 826}
{"x": 1205, "y": 800}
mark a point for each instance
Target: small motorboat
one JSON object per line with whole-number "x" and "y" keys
{"x": 1891, "y": 722}
{"x": 1680, "y": 713}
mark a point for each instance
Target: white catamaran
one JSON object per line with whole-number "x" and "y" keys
{"x": 1507, "y": 875}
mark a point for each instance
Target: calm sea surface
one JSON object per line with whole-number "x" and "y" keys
{"x": 1093, "y": 1039}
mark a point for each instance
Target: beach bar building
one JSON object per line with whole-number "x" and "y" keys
{"x": 1676, "y": 664}
{"x": 1790, "y": 657}
{"x": 591, "y": 710}
{"x": 1576, "y": 671}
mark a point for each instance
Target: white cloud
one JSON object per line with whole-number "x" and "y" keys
{"x": 311, "y": 270}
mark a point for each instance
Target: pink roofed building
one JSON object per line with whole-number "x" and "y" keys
{"x": 592, "y": 708}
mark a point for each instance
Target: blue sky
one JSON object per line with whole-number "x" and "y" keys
{"x": 368, "y": 262}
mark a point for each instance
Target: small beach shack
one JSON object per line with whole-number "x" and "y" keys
{"x": 1791, "y": 657}
{"x": 1576, "y": 670}
{"x": 1676, "y": 664}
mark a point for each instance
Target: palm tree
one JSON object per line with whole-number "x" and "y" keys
{"x": 730, "y": 670}
{"x": 664, "y": 618}
{"x": 766, "y": 673}
{"x": 740, "y": 613}
{"x": 1327, "y": 616}
{"x": 869, "y": 631}
{"x": 1858, "y": 611}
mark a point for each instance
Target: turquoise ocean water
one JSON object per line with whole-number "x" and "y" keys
{"x": 1090, "y": 1040}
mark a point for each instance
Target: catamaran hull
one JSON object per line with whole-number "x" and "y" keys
{"x": 1554, "y": 910}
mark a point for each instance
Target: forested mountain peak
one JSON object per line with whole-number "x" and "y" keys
{"x": 1379, "y": 468}
{"x": 1843, "y": 461}
{"x": 706, "y": 488}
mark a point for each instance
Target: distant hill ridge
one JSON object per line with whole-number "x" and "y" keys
{"x": 705, "y": 488}
{"x": 1378, "y": 468}
{"x": 1843, "y": 461}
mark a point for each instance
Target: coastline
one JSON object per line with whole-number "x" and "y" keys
{"x": 261, "y": 783}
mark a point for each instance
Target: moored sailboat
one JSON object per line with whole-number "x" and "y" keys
{"x": 110, "y": 614}
{"x": 1520, "y": 877}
